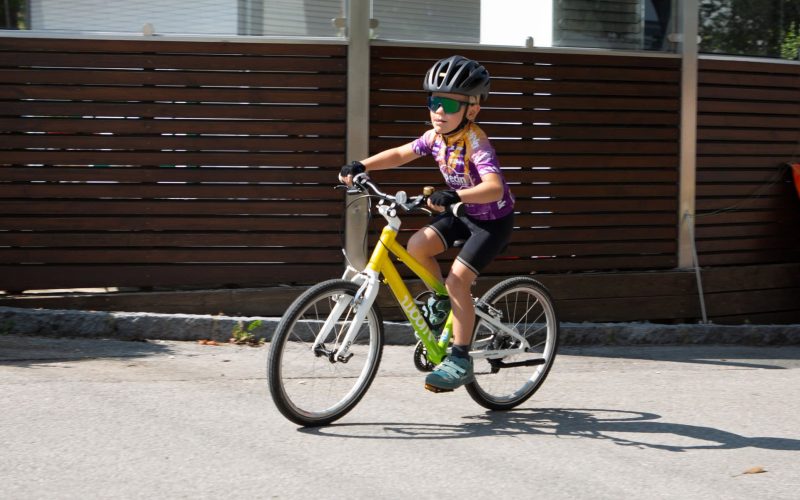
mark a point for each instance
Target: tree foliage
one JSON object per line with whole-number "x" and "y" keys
{"x": 765, "y": 28}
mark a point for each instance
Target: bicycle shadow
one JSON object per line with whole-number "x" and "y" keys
{"x": 620, "y": 427}
{"x": 728, "y": 356}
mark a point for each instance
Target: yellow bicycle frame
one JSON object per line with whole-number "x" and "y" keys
{"x": 381, "y": 263}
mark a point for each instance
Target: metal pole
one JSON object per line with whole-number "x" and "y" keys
{"x": 688, "y": 150}
{"x": 358, "y": 34}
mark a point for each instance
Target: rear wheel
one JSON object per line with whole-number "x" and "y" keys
{"x": 525, "y": 306}
{"x": 308, "y": 385}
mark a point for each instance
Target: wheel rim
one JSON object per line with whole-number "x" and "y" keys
{"x": 313, "y": 387}
{"x": 530, "y": 312}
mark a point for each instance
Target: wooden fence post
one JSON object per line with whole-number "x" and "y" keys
{"x": 689, "y": 18}
{"x": 358, "y": 53}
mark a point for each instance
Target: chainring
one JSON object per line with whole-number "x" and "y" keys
{"x": 421, "y": 361}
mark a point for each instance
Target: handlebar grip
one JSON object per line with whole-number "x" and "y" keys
{"x": 457, "y": 209}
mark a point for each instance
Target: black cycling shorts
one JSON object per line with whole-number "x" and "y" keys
{"x": 485, "y": 239}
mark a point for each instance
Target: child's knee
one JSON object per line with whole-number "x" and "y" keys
{"x": 456, "y": 282}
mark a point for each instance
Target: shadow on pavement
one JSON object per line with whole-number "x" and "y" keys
{"x": 19, "y": 350}
{"x": 624, "y": 428}
{"x": 748, "y": 357}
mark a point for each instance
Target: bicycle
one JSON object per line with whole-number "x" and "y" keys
{"x": 327, "y": 347}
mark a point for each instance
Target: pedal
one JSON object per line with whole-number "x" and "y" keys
{"x": 435, "y": 389}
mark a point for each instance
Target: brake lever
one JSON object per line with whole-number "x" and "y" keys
{"x": 350, "y": 189}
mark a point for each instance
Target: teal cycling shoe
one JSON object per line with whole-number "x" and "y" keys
{"x": 451, "y": 374}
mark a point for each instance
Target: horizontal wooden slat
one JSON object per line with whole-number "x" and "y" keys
{"x": 91, "y": 46}
{"x": 746, "y": 148}
{"x": 310, "y": 221}
{"x": 563, "y": 264}
{"x": 155, "y": 255}
{"x": 16, "y": 277}
{"x": 749, "y": 121}
{"x": 169, "y": 174}
{"x": 746, "y": 93}
{"x": 745, "y": 107}
{"x": 593, "y": 248}
{"x": 166, "y": 190}
{"x": 181, "y": 79}
{"x": 219, "y": 62}
{"x": 542, "y": 235}
{"x": 252, "y": 144}
{"x": 171, "y": 158}
{"x": 249, "y": 96}
{"x": 749, "y": 257}
{"x": 170, "y": 239}
{"x": 563, "y": 206}
{"x": 177, "y": 111}
{"x": 765, "y": 189}
{"x": 747, "y": 67}
{"x": 123, "y": 126}
{"x": 247, "y": 208}
{"x": 427, "y": 56}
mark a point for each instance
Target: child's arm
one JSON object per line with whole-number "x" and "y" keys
{"x": 489, "y": 190}
{"x": 391, "y": 158}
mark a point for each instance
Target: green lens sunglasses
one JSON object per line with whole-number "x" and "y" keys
{"x": 449, "y": 105}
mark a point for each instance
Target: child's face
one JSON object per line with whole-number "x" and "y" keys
{"x": 443, "y": 122}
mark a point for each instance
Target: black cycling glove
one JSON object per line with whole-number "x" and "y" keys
{"x": 444, "y": 198}
{"x": 353, "y": 168}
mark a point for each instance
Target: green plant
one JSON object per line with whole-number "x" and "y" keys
{"x": 243, "y": 333}
{"x": 791, "y": 42}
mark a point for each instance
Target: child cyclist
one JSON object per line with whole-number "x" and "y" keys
{"x": 466, "y": 159}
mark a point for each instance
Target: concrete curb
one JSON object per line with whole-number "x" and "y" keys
{"x": 141, "y": 326}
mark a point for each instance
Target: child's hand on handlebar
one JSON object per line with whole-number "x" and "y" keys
{"x": 349, "y": 171}
{"x": 440, "y": 200}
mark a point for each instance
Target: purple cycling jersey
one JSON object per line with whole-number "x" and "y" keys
{"x": 450, "y": 155}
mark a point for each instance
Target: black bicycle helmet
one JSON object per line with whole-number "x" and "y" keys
{"x": 458, "y": 75}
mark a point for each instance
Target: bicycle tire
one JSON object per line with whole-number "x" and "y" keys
{"x": 307, "y": 387}
{"x": 526, "y": 305}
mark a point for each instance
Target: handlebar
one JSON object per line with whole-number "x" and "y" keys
{"x": 362, "y": 182}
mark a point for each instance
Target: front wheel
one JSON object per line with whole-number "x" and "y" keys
{"x": 308, "y": 385}
{"x": 525, "y": 306}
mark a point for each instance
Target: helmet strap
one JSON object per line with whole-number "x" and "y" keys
{"x": 464, "y": 122}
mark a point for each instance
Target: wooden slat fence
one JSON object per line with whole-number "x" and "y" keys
{"x": 748, "y": 129}
{"x": 589, "y": 144}
{"x": 193, "y": 164}
{"x": 152, "y": 163}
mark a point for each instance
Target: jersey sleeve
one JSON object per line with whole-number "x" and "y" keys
{"x": 423, "y": 146}
{"x": 485, "y": 159}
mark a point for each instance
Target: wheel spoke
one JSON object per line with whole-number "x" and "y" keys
{"x": 506, "y": 381}
{"x": 313, "y": 389}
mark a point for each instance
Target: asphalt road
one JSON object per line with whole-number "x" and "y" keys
{"x": 111, "y": 419}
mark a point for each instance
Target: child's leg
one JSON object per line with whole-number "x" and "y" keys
{"x": 424, "y": 246}
{"x": 456, "y": 370}
{"x": 459, "y": 284}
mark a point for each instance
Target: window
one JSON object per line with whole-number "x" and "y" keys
{"x": 179, "y": 17}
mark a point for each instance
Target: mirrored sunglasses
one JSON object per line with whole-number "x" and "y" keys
{"x": 449, "y": 105}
